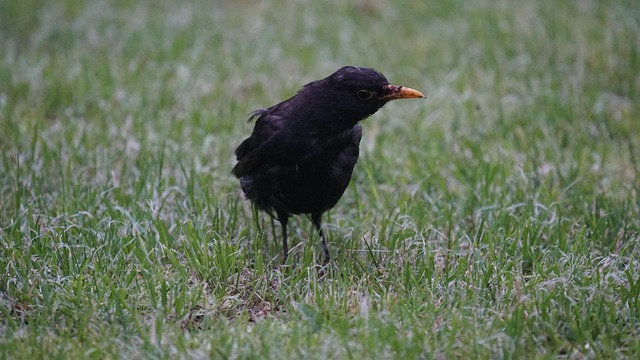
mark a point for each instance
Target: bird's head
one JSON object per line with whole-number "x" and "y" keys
{"x": 359, "y": 92}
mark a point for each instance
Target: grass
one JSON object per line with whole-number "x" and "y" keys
{"x": 497, "y": 219}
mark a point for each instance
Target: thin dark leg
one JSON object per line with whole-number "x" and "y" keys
{"x": 317, "y": 221}
{"x": 284, "y": 218}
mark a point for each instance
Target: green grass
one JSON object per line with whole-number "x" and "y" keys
{"x": 499, "y": 218}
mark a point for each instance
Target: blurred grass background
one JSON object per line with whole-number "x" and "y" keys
{"x": 498, "y": 218}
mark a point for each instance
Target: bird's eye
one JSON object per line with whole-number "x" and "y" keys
{"x": 365, "y": 95}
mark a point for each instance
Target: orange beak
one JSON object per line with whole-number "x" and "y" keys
{"x": 401, "y": 92}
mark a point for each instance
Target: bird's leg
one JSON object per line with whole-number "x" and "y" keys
{"x": 284, "y": 218}
{"x": 317, "y": 221}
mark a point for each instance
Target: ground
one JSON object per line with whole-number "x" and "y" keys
{"x": 497, "y": 218}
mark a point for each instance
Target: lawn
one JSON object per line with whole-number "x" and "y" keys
{"x": 497, "y": 218}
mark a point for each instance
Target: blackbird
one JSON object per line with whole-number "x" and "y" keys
{"x": 300, "y": 156}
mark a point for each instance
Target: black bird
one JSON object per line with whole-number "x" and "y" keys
{"x": 302, "y": 151}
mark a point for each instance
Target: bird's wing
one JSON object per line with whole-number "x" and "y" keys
{"x": 257, "y": 147}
